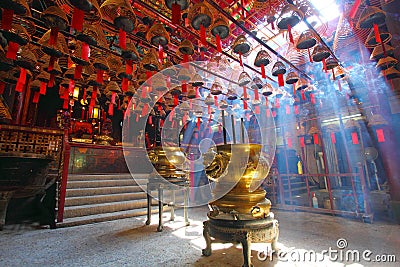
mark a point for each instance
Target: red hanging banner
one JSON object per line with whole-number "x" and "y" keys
{"x": 380, "y": 135}
{"x": 257, "y": 110}
{"x": 289, "y": 142}
{"x": 53, "y": 36}
{"x": 290, "y": 33}
{"x": 6, "y": 19}
{"x": 12, "y": 50}
{"x": 377, "y": 34}
{"x": 287, "y": 109}
{"x": 21, "y": 81}
{"x": 333, "y": 138}
{"x": 315, "y": 137}
{"x": 35, "y": 99}
{"x": 43, "y": 87}
{"x": 263, "y": 71}
{"x": 277, "y": 103}
{"x": 78, "y": 72}
{"x": 160, "y": 54}
{"x": 184, "y": 87}
{"x": 303, "y": 95}
{"x": 122, "y": 39}
{"x": 324, "y": 64}
{"x": 312, "y": 98}
{"x": 99, "y": 76}
{"x": 77, "y": 19}
{"x": 354, "y": 138}
{"x": 281, "y": 82}
{"x": 309, "y": 55}
{"x": 240, "y": 59}
{"x": 176, "y": 13}
{"x": 302, "y": 141}
{"x": 198, "y": 123}
{"x": 65, "y": 104}
{"x": 296, "y": 109}
{"x": 85, "y": 51}
{"x": 125, "y": 83}
{"x": 218, "y": 42}
{"x": 203, "y": 35}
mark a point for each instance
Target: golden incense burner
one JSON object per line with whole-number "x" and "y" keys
{"x": 241, "y": 167}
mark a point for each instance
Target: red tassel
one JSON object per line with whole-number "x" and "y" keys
{"x": 66, "y": 103}
{"x": 85, "y": 51}
{"x": 43, "y": 87}
{"x": 209, "y": 109}
{"x": 380, "y": 135}
{"x": 21, "y": 81}
{"x": 277, "y": 103}
{"x": 324, "y": 64}
{"x": 51, "y": 64}
{"x": 333, "y": 138}
{"x": 240, "y": 59}
{"x": 6, "y": 20}
{"x": 77, "y": 19}
{"x": 113, "y": 96}
{"x": 280, "y": 80}
{"x": 303, "y": 95}
{"x": 289, "y": 142}
{"x": 312, "y": 98}
{"x": 339, "y": 85}
{"x": 203, "y": 35}
{"x": 198, "y": 123}
{"x": 290, "y": 33}
{"x": 287, "y": 109}
{"x": 160, "y": 54}
{"x": 99, "y": 76}
{"x": 263, "y": 72}
{"x": 122, "y": 39}
{"x": 244, "y": 92}
{"x": 125, "y": 84}
{"x": 50, "y": 84}
{"x": 35, "y": 99}
{"x": 12, "y": 50}
{"x": 302, "y": 144}
{"x": 377, "y": 34}
{"x": 184, "y": 87}
{"x": 309, "y": 55}
{"x": 111, "y": 109}
{"x": 71, "y": 86}
{"x": 354, "y": 138}
{"x": 316, "y": 141}
{"x": 168, "y": 82}
{"x": 78, "y": 72}
{"x": 218, "y": 42}
{"x": 176, "y": 100}
{"x": 333, "y": 75}
{"x": 145, "y": 109}
{"x": 2, "y": 87}
{"x": 296, "y": 109}
{"x": 53, "y": 36}
{"x": 176, "y": 14}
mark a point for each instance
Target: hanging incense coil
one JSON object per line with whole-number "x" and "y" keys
{"x": 258, "y": 84}
{"x": 301, "y": 84}
{"x": 58, "y": 50}
{"x": 150, "y": 61}
{"x": 306, "y": 40}
{"x": 168, "y": 69}
{"x": 92, "y": 80}
{"x": 278, "y": 68}
{"x": 331, "y": 63}
{"x": 130, "y": 53}
{"x": 378, "y": 53}
{"x": 267, "y": 90}
{"x": 158, "y": 35}
{"x": 121, "y": 74}
{"x": 216, "y": 88}
{"x": 35, "y": 85}
{"x": 26, "y": 59}
{"x": 43, "y": 77}
{"x": 320, "y": 52}
{"x": 89, "y": 34}
{"x": 290, "y": 16}
{"x": 386, "y": 62}
{"x": 200, "y": 15}
{"x": 90, "y": 7}
{"x": 371, "y": 15}
{"x": 121, "y": 13}
{"x": 131, "y": 90}
{"x": 101, "y": 63}
{"x": 340, "y": 73}
{"x": 186, "y": 47}
{"x": 182, "y": 5}
{"x": 292, "y": 77}
{"x": 184, "y": 74}
{"x": 262, "y": 58}
{"x": 241, "y": 46}
{"x": 244, "y": 78}
{"x": 220, "y": 27}
{"x": 56, "y": 70}
{"x": 390, "y": 73}
{"x": 17, "y": 71}
{"x": 191, "y": 93}
{"x": 17, "y": 34}
{"x": 20, "y": 7}
{"x": 141, "y": 78}
{"x": 159, "y": 85}
{"x": 76, "y": 56}
{"x": 55, "y": 17}
{"x": 384, "y": 36}
{"x": 209, "y": 100}
{"x": 113, "y": 87}
{"x": 70, "y": 73}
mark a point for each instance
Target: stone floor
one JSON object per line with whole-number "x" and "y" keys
{"x": 129, "y": 242}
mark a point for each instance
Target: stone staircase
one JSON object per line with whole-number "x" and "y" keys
{"x": 103, "y": 197}
{"x": 298, "y": 188}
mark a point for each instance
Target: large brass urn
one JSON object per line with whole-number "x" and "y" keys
{"x": 241, "y": 167}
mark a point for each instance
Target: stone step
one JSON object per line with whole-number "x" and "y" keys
{"x": 89, "y": 177}
{"x": 96, "y": 218}
{"x": 100, "y": 183}
{"x": 76, "y": 192}
{"x": 107, "y": 198}
{"x": 92, "y": 209}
